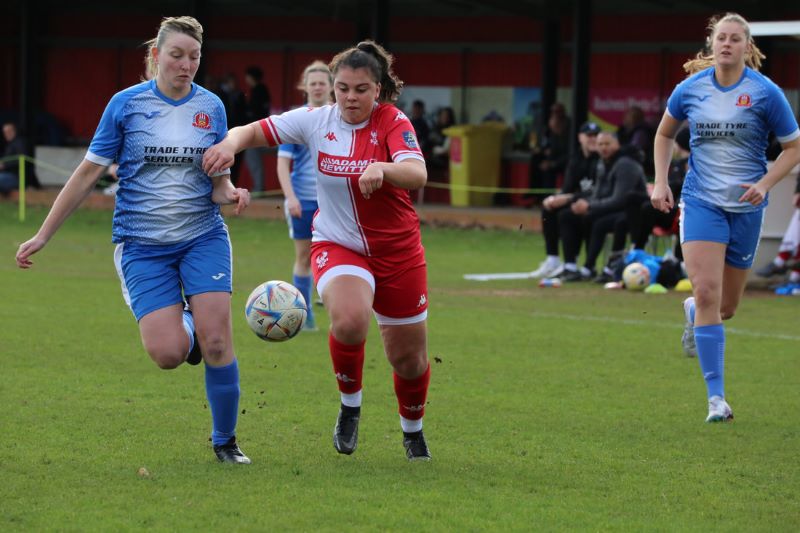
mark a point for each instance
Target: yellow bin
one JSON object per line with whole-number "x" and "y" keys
{"x": 475, "y": 152}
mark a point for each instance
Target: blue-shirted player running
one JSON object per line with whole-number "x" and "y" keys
{"x": 731, "y": 109}
{"x": 297, "y": 174}
{"x": 171, "y": 240}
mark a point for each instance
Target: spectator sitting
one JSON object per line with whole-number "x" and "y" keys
{"x": 439, "y": 142}
{"x": 579, "y": 181}
{"x": 9, "y": 170}
{"x": 549, "y": 157}
{"x": 788, "y": 253}
{"x": 421, "y": 126}
{"x": 618, "y": 175}
{"x": 636, "y": 132}
{"x": 643, "y": 217}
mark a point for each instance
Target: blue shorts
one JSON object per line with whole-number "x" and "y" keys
{"x": 157, "y": 276}
{"x": 300, "y": 228}
{"x": 701, "y": 221}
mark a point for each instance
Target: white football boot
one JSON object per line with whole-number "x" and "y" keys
{"x": 719, "y": 410}
{"x": 548, "y": 268}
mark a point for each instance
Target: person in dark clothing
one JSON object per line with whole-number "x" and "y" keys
{"x": 549, "y": 158}
{"x": 579, "y": 180}
{"x": 643, "y": 217}
{"x": 258, "y": 107}
{"x": 9, "y": 170}
{"x": 603, "y": 212}
{"x": 421, "y": 126}
{"x": 235, "y": 110}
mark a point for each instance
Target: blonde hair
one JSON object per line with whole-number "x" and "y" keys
{"x": 186, "y": 25}
{"x": 315, "y": 66}
{"x": 377, "y": 61}
{"x": 705, "y": 57}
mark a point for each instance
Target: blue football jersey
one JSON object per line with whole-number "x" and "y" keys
{"x": 164, "y": 196}
{"x": 729, "y": 132}
{"x": 304, "y": 171}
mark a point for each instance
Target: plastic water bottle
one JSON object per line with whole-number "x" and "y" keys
{"x": 550, "y": 282}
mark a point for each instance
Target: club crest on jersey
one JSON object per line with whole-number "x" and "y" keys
{"x": 410, "y": 139}
{"x": 743, "y": 100}
{"x": 202, "y": 121}
{"x": 331, "y": 136}
{"x": 373, "y": 137}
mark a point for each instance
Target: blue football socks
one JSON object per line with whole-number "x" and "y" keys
{"x": 222, "y": 391}
{"x": 710, "y": 341}
{"x": 303, "y": 284}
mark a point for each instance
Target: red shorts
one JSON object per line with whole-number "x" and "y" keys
{"x": 400, "y": 283}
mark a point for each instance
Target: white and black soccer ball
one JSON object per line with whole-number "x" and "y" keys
{"x": 276, "y": 311}
{"x": 636, "y": 277}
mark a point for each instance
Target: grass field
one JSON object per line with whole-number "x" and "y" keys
{"x": 550, "y": 409}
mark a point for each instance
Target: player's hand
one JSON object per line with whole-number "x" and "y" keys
{"x": 240, "y": 197}
{"x": 217, "y": 158}
{"x": 661, "y": 198}
{"x": 293, "y": 207}
{"x": 371, "y": 180}
{"x": 755, "y": 193}
{"x": 27, "y": 249}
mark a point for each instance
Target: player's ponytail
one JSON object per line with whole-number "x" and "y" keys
{"x": 373, "y": 57}
{"x": 185, "y": 25}
{"x": 705, "y": 57}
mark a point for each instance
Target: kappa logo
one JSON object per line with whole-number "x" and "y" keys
{"x": 344, "y": 378}
{"x": 743, "y": 100}
{"x": 422, "y": 300}
{"x": 202, "y": 121}
{"x": 331, "y": 136}
{"x": 373, "y": 137}
{"x": 322, "y": 260}
{"x": 218, "y": 276}
{"x": 414, "y": 408}
{"x": 400, "y": 116}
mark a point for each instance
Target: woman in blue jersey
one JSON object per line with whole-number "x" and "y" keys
{"x": 171, "y": 240}
{"x": 731, "y": 109}
{"x": 297, "y": 173}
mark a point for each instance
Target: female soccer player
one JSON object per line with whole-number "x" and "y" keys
{"x": 731, "y": 109}
{"x": 298, "y": 177}
{"x": 366, "y": 252}
{"x": 171, "y": 240}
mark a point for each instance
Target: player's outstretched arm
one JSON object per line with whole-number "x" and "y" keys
{"x": 220, "y": 156}
{"x": 77, "y": 188}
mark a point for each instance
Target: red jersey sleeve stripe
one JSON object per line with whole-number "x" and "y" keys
{"x": 273, "y": 139}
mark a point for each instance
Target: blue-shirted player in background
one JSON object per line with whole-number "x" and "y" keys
{"x": 297, "y": 174}
{"x": 731, "y": 109}
{"x": 171, "y": 240}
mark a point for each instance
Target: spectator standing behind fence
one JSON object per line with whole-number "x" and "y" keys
{"x": 421, "y": 126}
{"x": 440, "y": 142}
{"x": 235, "y": 110}
{"x": 258, "y": 107}
{"x": 9, "y": 169}
{"x": 603, "y": 212}
{"x": 549, "y": 157}
{"x": 731, "y": 108}
{"x": 579, "y": 181}
{"x": 367, "y": 253}
{"x": 172, "y": 243}
{"x": 297, "y": 174}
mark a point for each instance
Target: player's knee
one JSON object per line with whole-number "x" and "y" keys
{"x": 167, "y": 359}
{"x": 411, "y": 365}
{"x": 350, "y": 328}
{"x": 705, "y": 294}
{"x": 214, "y": 346}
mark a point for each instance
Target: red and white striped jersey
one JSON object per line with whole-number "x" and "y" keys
{"x": 386, "y": 223}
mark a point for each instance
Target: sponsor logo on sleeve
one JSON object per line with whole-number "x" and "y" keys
{"x": 410, "y": 140}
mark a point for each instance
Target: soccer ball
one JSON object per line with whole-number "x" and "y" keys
{"x": 276, "y": 311}
{"x": 636, "y": 277}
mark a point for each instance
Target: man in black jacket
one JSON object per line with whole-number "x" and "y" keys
{"x": 579, "y": 180}
{"x": 603, "y": 212}
{"x": 9, "y": 170}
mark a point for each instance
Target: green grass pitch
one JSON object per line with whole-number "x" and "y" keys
{"x": 550, "y": 409}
